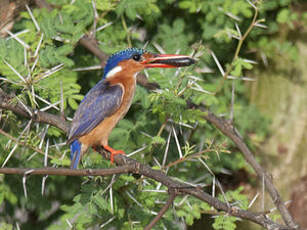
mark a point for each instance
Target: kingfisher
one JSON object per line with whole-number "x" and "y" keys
{"x": 110, "y": 99}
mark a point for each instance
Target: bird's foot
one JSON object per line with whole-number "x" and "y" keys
{"x": 113, "y": 152}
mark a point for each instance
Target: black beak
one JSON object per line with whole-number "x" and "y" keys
{"x": 168, "y": 61}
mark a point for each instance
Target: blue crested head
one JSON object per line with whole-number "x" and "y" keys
{"x": 126, "y": 54}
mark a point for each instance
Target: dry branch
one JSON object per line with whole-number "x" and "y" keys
{"x": 133, "y": 166}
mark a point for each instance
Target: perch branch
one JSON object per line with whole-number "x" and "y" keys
{"x": 133, "y": 166}
{"x": 68, "y": 172}
{"x": 182, "y": 188}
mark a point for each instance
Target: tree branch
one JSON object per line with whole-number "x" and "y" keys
{"x": 230, "y": 131}
{"x": 68, "y": 172}
{"x": 182, "y": 188}
{"x": 172, "y": 196}
{"x": 133, "y": 166}
{"x": 92, "y": 45}
{"x": 8, "y": 102}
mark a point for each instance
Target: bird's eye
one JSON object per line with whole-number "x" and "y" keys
{"x": 136, "y": 57}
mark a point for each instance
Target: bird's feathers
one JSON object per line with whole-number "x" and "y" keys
{"x": 75, "y": 153}
{"x": 120, "y": 56}
{"x": 99, "y": 103}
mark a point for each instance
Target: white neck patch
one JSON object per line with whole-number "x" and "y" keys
{"x": 114, "y": 71}
{"x": 134, "y": 76}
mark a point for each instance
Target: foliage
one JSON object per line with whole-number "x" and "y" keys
{"x": 238, "y": 200}
{"x": 41, "y": 72}
{"x": 224, "y": 222}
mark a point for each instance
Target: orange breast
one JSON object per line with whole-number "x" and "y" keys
{"x": 100, "y": 134}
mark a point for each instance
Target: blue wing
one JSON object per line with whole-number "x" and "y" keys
{"x": 100, "y": 102}
{"x": 75, "y": 154}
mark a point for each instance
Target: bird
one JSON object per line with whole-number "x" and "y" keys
{"x": 110, "y": 99}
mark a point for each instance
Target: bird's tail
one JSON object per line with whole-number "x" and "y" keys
{"x": 75, "y": 154}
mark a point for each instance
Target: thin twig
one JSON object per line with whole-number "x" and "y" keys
{"x": 127, "y": 31}
{"x": 7, "y": 102}
{"x": 171, "y": 198}
{"x": 22, "y": 143}
{"x": 231, "y": 116}
{"x": 238, "y": 48}
{"x": 185, "y": 158}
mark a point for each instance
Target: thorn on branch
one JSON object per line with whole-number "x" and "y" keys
{"x": 24, "y": 181}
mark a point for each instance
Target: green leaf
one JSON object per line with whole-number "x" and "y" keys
{"x": 5, "y": 226}
{"x": 224, "y": 222}
{"x": 237, "y": 70}
{"x": 73, "y": 104}
{"x": 283, "y": 16}
{"x": 157, "y": 140}
{"x": 132, "y": 8}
